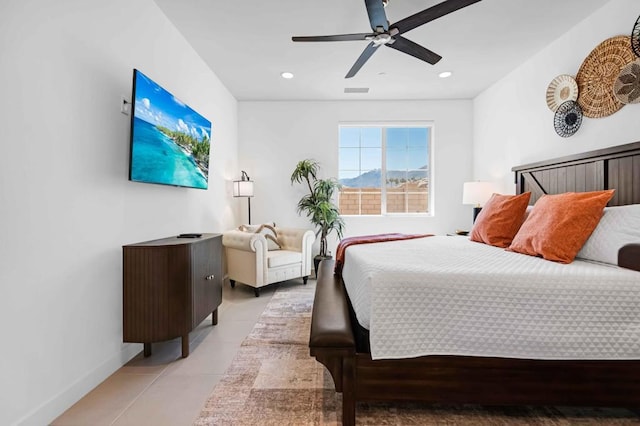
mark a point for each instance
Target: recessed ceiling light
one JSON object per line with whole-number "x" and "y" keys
{"x": 445, "y": 74}
{"x": 287, "y": 75}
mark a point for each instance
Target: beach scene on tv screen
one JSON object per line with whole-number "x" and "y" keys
{"x": 170, "y": 141}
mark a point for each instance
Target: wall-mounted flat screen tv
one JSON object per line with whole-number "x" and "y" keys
{"x": 170, "y": 142}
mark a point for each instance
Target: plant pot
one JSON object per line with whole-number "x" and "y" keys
{"x": 316, "y": 262}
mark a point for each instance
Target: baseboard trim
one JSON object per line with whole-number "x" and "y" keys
{"x": 54, "y": 407}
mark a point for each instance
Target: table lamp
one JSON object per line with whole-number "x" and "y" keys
{"x": 476, "y": 193}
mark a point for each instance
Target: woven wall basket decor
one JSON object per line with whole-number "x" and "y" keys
{"x": 563, "y": 88}
{"x": 598, "y": 73}
{"x": 627, "y": 86}
{"x": 635, "y": 37}
{"x": 567, "y": 119}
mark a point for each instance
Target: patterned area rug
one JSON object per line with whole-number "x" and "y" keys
{"x": 274, "y": 381}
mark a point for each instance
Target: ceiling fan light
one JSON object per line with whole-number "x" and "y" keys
{"x": 382, "y": 39}
{"x": 287, "y": 75}
{"x": 445, "y": 74}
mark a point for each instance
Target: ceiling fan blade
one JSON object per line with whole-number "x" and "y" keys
{"x": 411, "y": 48}
{"x": 338, "y": 37}
{"x": 364, "y": 57}
{"x": 434, "y": 12}
{"x": 377, "y": 16}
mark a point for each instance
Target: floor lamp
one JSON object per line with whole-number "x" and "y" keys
{"x": 244, "y": 188}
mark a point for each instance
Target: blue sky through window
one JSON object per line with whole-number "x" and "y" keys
{"x": 361, "y": 149}
{"x": 407, "y": 148}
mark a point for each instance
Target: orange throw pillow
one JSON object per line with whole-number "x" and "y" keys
{"x": 500, "y": 219}
{"x": 559, "y": 225}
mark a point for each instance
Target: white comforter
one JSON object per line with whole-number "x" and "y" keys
{"x": 447, "y": 295}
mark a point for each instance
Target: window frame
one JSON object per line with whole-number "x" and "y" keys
{"x": 383, "y": 190}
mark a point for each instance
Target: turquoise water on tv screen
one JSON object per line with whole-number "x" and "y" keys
{"x": 156, "y": 158}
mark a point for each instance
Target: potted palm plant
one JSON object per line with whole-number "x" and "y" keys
{"x": 318, "y": 204}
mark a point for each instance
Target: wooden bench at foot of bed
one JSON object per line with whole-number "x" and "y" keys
{"x": 455, "y": 379}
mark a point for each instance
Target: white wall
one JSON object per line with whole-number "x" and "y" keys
{"x": 512, "y": 123}
{"x": 66, "y": 206}
{"x": 274, "y": 136}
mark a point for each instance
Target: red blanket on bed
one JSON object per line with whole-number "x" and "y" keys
{"x": 368, "y": 239}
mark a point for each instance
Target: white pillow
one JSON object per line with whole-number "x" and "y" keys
{"x": 266, "y": 229}
{"x": 619, "y": 226}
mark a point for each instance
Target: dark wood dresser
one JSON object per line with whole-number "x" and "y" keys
{"x": 169, "y": 287}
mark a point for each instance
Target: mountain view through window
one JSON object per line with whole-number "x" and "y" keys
{"x": 384, "y": 169}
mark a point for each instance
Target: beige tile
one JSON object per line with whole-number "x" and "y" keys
{"x": 233, "y": 331}
{"x": 203, "y": 327}
{"x": 249, "y": 304}
{"x": 131, "y": 397}
{"x": 242, "y": 291}
{"x": 244, "y": 294}
{"x": 211, "y": 357}
{"x": 148, "y": 369}
{"x": 170, "y": 401}
{"x": 162, "y": 354}
{"x": 244, "y": 311}
{"x": 201, "y": 332}
{"x": 106, "y": 402}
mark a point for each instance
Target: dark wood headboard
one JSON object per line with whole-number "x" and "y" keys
{"x": 616, "y": 168}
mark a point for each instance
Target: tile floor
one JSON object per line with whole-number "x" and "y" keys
{"x": 165, "y": 389}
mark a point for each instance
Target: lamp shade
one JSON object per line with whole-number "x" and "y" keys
{"x": 476, "y": 193}
{"x": 243, "y": 188}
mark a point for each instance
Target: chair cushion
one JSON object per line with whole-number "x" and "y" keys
{"x": 283, "y": 257}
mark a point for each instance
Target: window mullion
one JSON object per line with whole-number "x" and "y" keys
{"x": 360, "y": 172}
{"x": 406, "y": 178}
{"x": 383, "y": 173}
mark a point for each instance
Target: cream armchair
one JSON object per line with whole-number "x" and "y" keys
{"x": 250, "y": 262}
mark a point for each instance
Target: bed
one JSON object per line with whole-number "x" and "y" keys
{"x": 340, "y": 342}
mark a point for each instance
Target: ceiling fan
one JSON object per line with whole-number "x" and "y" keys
{"x": 390, "y": 34}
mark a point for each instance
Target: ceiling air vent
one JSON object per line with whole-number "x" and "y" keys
{"x": 356, "y": 90}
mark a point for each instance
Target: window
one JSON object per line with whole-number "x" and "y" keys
{"x": 384, "y": 169}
